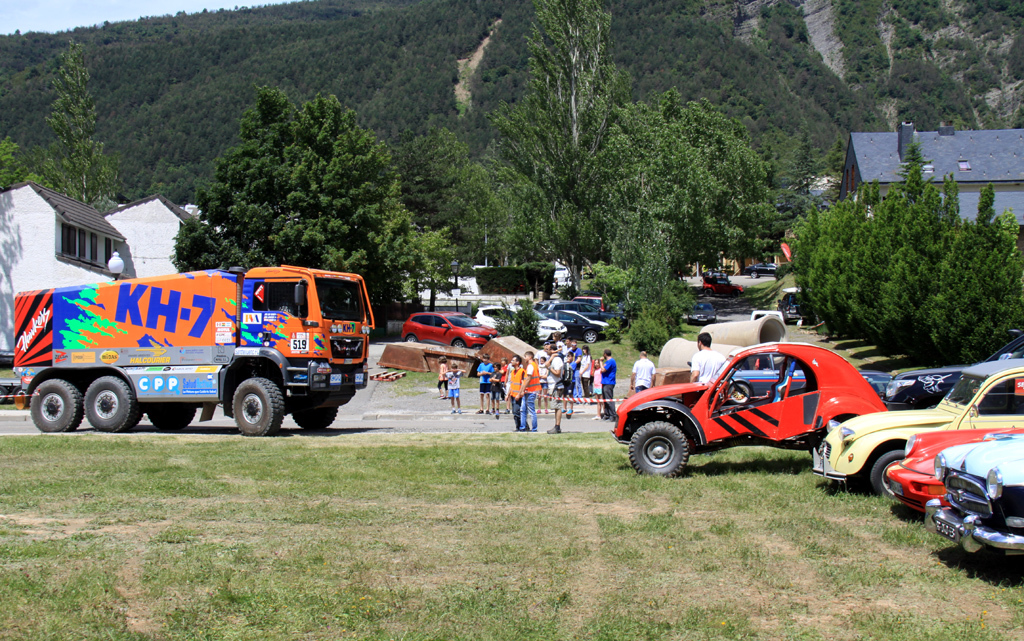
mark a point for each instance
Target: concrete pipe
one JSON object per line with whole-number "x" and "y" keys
{"x": 767, "y": 329}
{"x": 678, "y": 352}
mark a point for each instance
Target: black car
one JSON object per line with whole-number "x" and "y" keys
{"x": 593, "y": 312}
{"x": 702, "y": 314}
{"x": 576, "y": 325}
{"x": 760, "y": 269}
{"x": 924, "y": 388}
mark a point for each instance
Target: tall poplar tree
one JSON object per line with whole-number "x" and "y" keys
{"x": 75, "y": 164}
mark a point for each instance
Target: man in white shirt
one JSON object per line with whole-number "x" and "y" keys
{"x": 707, "y": 364}
{"x": 643, "y": 374}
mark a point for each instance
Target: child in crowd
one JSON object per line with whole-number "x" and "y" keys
{"x": 598, "y": 362}
{"x": 570, "y": 389}
{"x": 543, "y": 402}
{"x": 442, "y": 377}
{"x": 498, "y": 387}
{"x": 454, "y": 374}
{"x": 485, "y": 370}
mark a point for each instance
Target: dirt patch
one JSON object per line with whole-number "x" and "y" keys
{"x": 468, "y": 66}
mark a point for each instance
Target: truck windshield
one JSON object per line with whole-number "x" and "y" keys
{"x": 339, "y": 299}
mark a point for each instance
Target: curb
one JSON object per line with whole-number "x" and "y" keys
{"x": 9, "y": 416}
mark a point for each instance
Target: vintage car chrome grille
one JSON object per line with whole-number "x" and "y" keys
{"x": 826, "y": 450}
{"x": 346, "y": 347}
{"x": 967, "y": 493}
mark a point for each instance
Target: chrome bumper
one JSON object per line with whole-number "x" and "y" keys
{"x": 967, "y": 531}
{"x": 821, "y": 466}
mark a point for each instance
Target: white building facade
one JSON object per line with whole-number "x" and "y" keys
{"x": 149, "y": 227}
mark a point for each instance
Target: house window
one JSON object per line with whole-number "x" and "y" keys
{"x": 94, "y": 248}
{"x": 108, "y": 250}
{"x": 964, "y": 165}
{"x": 82, "y": 246}
{"x": 69, "y": 240}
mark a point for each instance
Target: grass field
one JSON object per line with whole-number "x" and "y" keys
{"x": 464, "y": 537}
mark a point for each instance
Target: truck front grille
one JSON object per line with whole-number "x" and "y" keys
{"x": 346, "y": 348}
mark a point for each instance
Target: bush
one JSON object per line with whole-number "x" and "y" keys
{"x": 615, "y": 332}
{"x": 649, "y": 331}
{"x": 522, "y": 324}
{"x": 568, "y": 292}
{"x": 783, "y": 270}
{"x": 540, "y": 276}
{"x": 501, "y": 280}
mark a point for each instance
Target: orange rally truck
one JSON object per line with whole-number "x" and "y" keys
{"x": 268, "y": 342}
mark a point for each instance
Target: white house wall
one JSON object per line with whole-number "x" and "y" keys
{"x": 149, "y": 229}
{"x": 29, "y": 237}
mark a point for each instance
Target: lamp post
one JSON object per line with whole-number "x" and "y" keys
{"x": 455, "y": 273}
{"x": 115, "y": 265}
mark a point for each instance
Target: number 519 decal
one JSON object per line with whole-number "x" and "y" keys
{"x": 300, "y": 343}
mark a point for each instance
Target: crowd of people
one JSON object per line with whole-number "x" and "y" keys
{"x": 556, "y": 380}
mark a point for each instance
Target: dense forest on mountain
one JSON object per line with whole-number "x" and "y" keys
{"x": 169, "y": 90}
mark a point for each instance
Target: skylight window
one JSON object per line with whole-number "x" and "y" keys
{"x": 929, "y": 169}
{"x": 964, "y": 165}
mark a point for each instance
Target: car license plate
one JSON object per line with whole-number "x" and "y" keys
{"x": 895, "y": 487}
{"x": 359, "y": 379}
{"x": 947, "y": 530}
{"x": 335, "y": 379}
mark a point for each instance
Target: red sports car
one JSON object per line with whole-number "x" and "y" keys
{"x": 913, "y": 481}
{"x": 812, "y": 387}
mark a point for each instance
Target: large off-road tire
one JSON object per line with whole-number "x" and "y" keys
{"x": 458, "y": 342}
{"x": 171, "y": 416}
{"x": 659, "y": 448}
{"x": 56, "y": 406}
{"x": 590, "y": 336}
{"x": 317, "y": 419}
{"x": 259, "y": 407}
{"x": 111, "y": 406}
{"x": 877, "y": 475}
{"x": 410, "y": 338}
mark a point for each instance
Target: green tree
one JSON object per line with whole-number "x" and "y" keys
{"x": 75, "y": 164}
{"x": 12, "y": 170}
{"x": 433, "y": 268}
{"x": 305, "y": 186}
{"x": 552, "y": 139}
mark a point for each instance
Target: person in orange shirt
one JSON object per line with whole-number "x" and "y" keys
{"x": 515, "y": 386}
{"x": 528, "y": 393}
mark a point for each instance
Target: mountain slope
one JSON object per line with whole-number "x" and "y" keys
{"x": 169, "y": 90}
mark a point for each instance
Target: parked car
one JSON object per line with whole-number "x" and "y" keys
{"x": 789, "y": 304}
{"x": 985, "y": 492}
{"x": 665, "y": 425}
{"x": 923, "y": 388}
{"x": 594, "y": 299}
{"x": 878, "y": 380}
{"x": 586, "y": 310}
{"x": 719, "y": 283}
{"x": 577, "y": 326}
{"x": 702, "y": 314}
{"x": 761, "y": 269}
{"x": 6, "y": 358}
{"x": 488, "y": 316}
{"x": 759, "y": 372}
{"x": 447, "y": 328}
{"x": 913, "y": 481}
{"x": 863, "y": 448}
{"x": 562, "y": 276}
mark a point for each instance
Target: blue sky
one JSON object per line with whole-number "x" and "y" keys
{"x": 61, "y": 15}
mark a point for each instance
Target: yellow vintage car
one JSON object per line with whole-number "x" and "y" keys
{"x": 989, "y": 395}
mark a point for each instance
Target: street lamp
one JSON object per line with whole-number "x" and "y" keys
{"x": 455, "y": 273}
{"x": 115, "y": 265}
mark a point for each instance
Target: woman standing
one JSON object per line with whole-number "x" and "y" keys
{"x": 586, "y": 372}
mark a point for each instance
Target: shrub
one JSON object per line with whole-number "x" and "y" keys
{"x": 649, "y": 331}
{"x": 522, "y": 324}
{"x": 501, "y": 280}
{"x": 540, "y": 276}
{"x": 615, "y": 332}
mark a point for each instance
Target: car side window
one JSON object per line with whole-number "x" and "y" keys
{"x": 1000, "y": 399}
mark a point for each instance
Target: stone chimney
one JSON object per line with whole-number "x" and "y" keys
{"x": 905, "y": 135}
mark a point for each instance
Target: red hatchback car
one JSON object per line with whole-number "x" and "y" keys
{"x": 665, "y": 425}
{"x": 913, "y": 481}
{"x": 446, "y": 328}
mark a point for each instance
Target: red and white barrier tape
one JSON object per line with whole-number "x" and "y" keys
{"x": 581, "y": 400}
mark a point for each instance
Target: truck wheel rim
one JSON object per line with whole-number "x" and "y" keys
{"x": 252, "y": 408}
{"x": 53, "y": 407}
{"x": 658, "y": 451}
{"x": 106, "y": 404}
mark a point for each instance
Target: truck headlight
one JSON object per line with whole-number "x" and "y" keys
{"x": 896, "y": 385}
{"x": 909, "y": 446}
{"x": 940, "y": 466}
{"x": 994, "y": 484}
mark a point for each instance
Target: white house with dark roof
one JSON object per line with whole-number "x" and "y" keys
{"x": 149, "y": 226}
{"x": 973, "y": 158}
{"x": 50, "y": 240}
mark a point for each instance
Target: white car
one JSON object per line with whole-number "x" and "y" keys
{"x": 488, "y": 315}
{"x": 562, "y": 276}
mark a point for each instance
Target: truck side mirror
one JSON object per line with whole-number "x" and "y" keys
{"x": 300, "y": 294}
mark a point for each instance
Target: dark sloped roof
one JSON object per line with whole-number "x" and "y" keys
{"x": 1004, "y": 200}
{"x": 177, "y": 211}
{"x": 994, "y": 156}
{"x": 72, "y": 211}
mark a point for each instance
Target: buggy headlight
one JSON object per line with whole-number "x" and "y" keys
{"x": 994, "y": 484}
{"x": 833, "y": 424}
{"x": 940, "y": 466}
{"x": 847, "y": 433}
